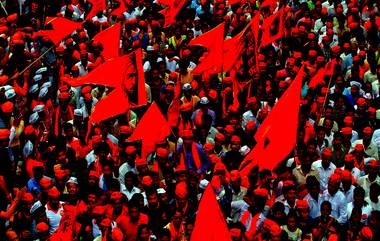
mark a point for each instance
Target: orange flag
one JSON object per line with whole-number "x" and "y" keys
{"x": 210, "y": 224}
{"x": 272, "y": 4}
{"x": 61, "y": 28}
{"x": 318, "y": 79}
{"x": 110, "y": 39}
{"x": 272, "y": 28}
{"x": 171, "y": 11}
{"x": 124, "y": 75}
{"x": 121, "y": 9}
{"x": 213, "y": 41}
{"x": 276, "y": 136}
{"x": 151, "y": 128}
{"x": 96, "y": 6}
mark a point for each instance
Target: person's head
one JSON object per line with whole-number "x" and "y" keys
{"x": 334, "y": 184}
{"x": 187, "y": 137}
{"x": 38, "y": 172}
{"x": 326, "y": 158}
{"x": 130, "y": 180}
{"x": 374, "y": 192}
{"x": 367, "y": 134}
{"x": 312, "y": 185}
{"x": 53, "y": 198}
{"x": 356, "y": 214}
{"x": 237, "y": 231}
{"x": 72, "y": 186}
{"x": 152, "y": 197}
{"x": 292, "y": 220}
{"x": 328, "y": 124}
{"x": 181, "y": 194}
{"x": 235, "y": 143}
{"x": 143, "y": 232}
{"x": 326, "y": 209}
{"x": 290, "y": 193}
{"x": 134, "y": 210}
{"x": 302, "y": 209}
{"x": 359, "y": 194}
{"x": 278, "y": 211}
{"x": 177, "y": 218}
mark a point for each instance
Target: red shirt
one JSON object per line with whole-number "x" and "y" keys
{"x": 130, "y": 228}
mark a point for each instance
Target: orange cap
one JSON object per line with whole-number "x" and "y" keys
{"x": 7, "y": 107}
{"x": 42, "y": 227}
{"x": 27, "y": 197}
{"x": 116, "y": 195}
{"x": 4, "y": 134}
{"x": 349, "y": 158}
{"x": 53, "y": 192}
{"x": 181, "y": 190}
{"x": 235, "y": 176}
{"x": 45, "y": 183}
{"x": 334, "y": 178}
{"x": 261, "y": 192}
{"x": 162, "y": 152}
{"x": 346, "y": 175}
{"x": 187, "y": 133}
{"x": 347, "y": 131}
{"x": 302, "y": 204}
{"x": 147, "y": 181}
{"x": 368, "y": 130}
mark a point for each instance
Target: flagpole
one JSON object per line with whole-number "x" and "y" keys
{"x": 2, "y": 6}
{"x": 327, "y": 92}
{"x": 31, "y": 64}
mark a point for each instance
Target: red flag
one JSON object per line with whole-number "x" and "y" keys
{"x": 61, "y": 28}
{"x": 231, "y": 2}
{"x": 121, "y": 9}
{"x": 171, "y": 11}
{"x": 210, "y": 224}
{"x": 110, "y": 39}
{"x": 151, "y": 128}
{"x": 318, "y": 79}
{"x": 119, "y": 73}
{"x": 96, "y": 6}
{"x": 213, "y": 41}
{"x": 276, "y": 136}
{"x": 272, "y": 28}
{"x": 173, "y": 110}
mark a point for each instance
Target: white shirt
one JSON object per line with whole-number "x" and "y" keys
{"x": 123, "y": 169}
{"x": 365, "y": 183}
{"x": 338, "y": 205}
{"x": 128, "y": 193}
{"x": 349, "y": 194}
{"x": 54, "y": 217}
{"x": 374, "y": 206}
{"x": 366, "y": 211}
{"x": 324, "y": 174}
{"x": 314, "y": 205}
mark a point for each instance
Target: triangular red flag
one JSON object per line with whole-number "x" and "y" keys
{"x": 96, "y": 6}
{"x": 121, "y": 9}
{"x": 171, "y": 11}
{"x": 119, "y": 73}
{"x": 210, "y": 224}
{"x": 213, "y": 41}
{"x": 269, "y": 34}
{"x": 318, "y": 79}
{"x": 61, "y": 28}
{"x": 276, "y": 136}
{"x": 151, "y": 128}
{"x": 231, "y": 2}
{"x": 110, "y": 40}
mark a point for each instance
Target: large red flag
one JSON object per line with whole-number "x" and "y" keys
{"x": 272, "y": 28}
{"x": 110, "y": 39}
{"x": 96, "y": 6}
{"x": 151, "y": 128}
{"x": 210, "y": 224}
{"x": 171, "y": 11}
{"x": 121, "y": 9}
{"x": 276, "y": 136}
{"x": 61, "y": 27}
{"x": 124, "y": 75}
{"x": 213, "y": 41}
{"x": 318, "y": 79}
{"x": 272, "y": 4}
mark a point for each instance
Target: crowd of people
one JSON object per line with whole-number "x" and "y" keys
{"x": 65, "y": 178}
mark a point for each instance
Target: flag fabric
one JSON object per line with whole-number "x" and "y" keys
{"x": 110, "y": 40}
{"x": 213, "y": 41}
{"x": 121, "y": 9}
{"x": 272, "y": 4}
{"x": 121, "y": 74}
{"x": 152, "y": 128}
{"x": 272, "y": 28}
{"x": 61, "y": 28}
{"x": 276, "y": 136}
{"x": 96, "y": 6}
{"x": 210, "y": 224}
{"x": 171, "y": 11}
{"x": 318, "y": 79}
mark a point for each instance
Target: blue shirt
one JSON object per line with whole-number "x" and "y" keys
{"x": 189, "y": 161}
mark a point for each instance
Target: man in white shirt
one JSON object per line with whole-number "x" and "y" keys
{"x": 54, "y": 209}
{"x": 336, "y": 198}
{"x": 372, "y": 176}
{"x": 370, "y": 148}
{"x": 373, "y": 198}
{"x": 325, "y": 168}
{"x": 347, "y": 187}
{"x": 129, "y": 188}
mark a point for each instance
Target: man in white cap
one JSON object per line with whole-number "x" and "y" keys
{"x": 204, "y": 108}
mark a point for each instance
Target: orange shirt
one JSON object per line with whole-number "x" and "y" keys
{"x": 129, "y": 228}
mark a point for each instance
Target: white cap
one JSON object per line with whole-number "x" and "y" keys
{"x": 38, "y": 108}
{"x": 35, "y": 206}
{"x": 33, "y": 118}
{"x": 28, "y": 149}
{"x": 149, "y": 48}
{"x": 46, "y": 85}
{"x": 37, "y": 77}
{"x": 203, "y": 184}
{"x": 356, "y": 83}
{"x": 204, "y": 101}
{"x": 186, "y": 86}
{"x": 244, "y": 150}
{"x": 33, "y": 89}
{"x": 9, "y": 94}
{"x": 78, "y": 112}
{"x": 41, "y": 70}
{"x": 72, "y": 180}
{"x": 161, "y": 191}
{"x": 7, "y": 87}
{"x": 43, "y": 92}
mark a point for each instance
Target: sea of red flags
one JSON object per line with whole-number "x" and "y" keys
{"x": 276, "y": 136}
